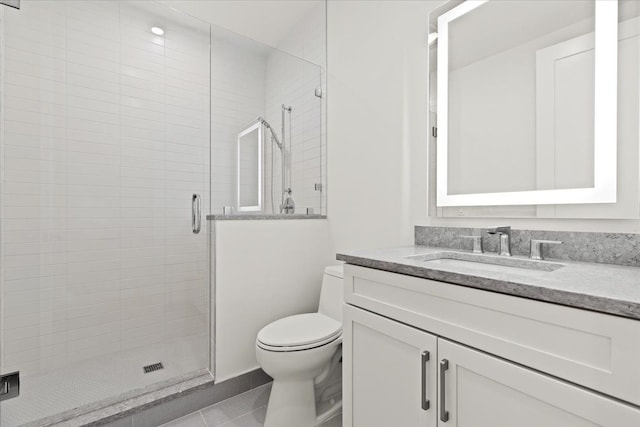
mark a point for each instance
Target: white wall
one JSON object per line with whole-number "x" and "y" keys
{"x": 265, "y": 270}
{"x": 493, "y": 100}
{"x": 377, "y": 120}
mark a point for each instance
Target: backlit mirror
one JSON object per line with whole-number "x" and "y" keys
{"x": 527, "y": 100}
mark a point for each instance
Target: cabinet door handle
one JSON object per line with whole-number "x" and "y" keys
{"x": 196, "y": 218}
{"x": 425, "y": 402}
{"x": 444, "y": 414}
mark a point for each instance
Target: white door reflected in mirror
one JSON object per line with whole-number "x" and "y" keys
{"x": 527, "y": 102}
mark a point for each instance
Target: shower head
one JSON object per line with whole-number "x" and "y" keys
{"x": 266, "y": 124}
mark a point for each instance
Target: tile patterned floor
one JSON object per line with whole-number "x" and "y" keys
{"x": 245, "y": 410}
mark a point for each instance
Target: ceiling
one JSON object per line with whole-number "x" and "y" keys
{"x": 267, "y": 21}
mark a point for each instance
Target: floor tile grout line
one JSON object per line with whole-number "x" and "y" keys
{"x": 203, "y": 419}
{"x": 231, "y": 422}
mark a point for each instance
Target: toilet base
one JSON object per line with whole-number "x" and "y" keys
{"x": 291, "y": 404}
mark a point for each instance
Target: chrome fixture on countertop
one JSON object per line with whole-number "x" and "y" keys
{"x": 505, "y": 239}
{"x": 477, "y": 243}
{"x": 536, "y": 247}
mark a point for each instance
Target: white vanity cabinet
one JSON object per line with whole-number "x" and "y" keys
{"x": 493, "y": 360}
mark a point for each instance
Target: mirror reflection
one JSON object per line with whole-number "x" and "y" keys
{"x": 250, "y": 169}
{"x": 521, "y": 97}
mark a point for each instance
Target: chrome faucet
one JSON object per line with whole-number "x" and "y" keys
{"x": 505, "y": 239}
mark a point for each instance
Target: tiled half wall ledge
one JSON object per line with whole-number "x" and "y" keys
{"x": 251, "y": 216}
{"x": 606, "y": 248}
{"x": 159, "y": 403}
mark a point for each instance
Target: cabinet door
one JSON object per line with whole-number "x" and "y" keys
{"x": 483, "y": 391}
{"x": 389, "y": 372}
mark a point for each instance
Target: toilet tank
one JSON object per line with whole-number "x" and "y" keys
{"x": 332, "y": 293}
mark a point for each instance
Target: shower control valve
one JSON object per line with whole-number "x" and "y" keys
{"x": 9, "y": 386}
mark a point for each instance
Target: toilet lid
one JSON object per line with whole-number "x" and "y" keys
{"x": 300, "y": 330}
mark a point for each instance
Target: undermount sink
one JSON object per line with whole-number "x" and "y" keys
{"x": 493, "y": 263}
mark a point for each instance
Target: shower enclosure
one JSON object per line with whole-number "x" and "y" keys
{"x": 104, "y": 145}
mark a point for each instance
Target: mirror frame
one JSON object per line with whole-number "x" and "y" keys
{"x": 605, "y": 120}
{"x": 256, "y": 208}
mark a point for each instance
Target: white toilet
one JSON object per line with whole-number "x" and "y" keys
{"x": 300, "y": 352}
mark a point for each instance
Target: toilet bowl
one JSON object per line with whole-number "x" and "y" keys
{"x": 300, "y": 352}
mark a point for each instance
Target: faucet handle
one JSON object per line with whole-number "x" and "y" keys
{"x": 503, "y": 229}
{"x": 477, "y": 243}
{"x": 536, "y": 247}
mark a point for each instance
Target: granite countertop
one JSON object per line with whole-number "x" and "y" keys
{"x": 605, "y": 288}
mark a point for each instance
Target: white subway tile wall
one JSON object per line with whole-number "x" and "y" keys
{"x": 249, "y": 79}
{"x": 105, "y": 137}
{"x": 293, "y": 82}
{"x": 237, "y": 98}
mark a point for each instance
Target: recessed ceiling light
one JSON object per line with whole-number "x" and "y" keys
{"x": 157, "y": 31}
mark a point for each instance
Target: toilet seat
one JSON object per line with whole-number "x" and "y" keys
{"x": 299, "y": 332}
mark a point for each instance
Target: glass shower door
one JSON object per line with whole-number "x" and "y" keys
{"x": 104, "y": 140}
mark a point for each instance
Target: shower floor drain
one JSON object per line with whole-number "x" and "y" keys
{"x": 153, "y": 367}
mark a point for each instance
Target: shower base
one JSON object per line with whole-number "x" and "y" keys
{"x": 96, "y": 383}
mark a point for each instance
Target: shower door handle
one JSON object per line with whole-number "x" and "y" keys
{"x": 196, "y": 215}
